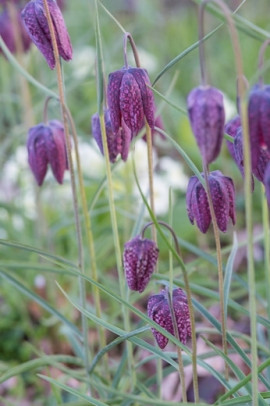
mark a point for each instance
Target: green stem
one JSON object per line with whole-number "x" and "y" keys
{"x": 219, "y": 264}
{"x": 89, "y": 233}
{"x": 72, "y": 178}
{"x": 118, "y": 253}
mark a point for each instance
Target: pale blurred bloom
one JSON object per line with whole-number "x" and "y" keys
{"x": 83, "y": 61}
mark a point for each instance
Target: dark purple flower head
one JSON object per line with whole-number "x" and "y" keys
{"x": 46, "y": 145}
{"x": 158, "y": 310}
{"x": 231, "y": 128}
{"x": 259, "y": 121}
{"x": 262, "y": 161}
{"x": 223, "y": 196}
{"x": 8, "y": 34}
{"x": 36, "y": 24}
{"x": 118, "y": 143}
{"x": 207, "y": 116}
{"x": 139, "y": 258}
{"x": 130, "y": 101}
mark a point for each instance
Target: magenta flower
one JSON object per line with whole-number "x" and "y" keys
{"x": 158, "y": 310}
{"x": 223, "y": 196}
{"x": 46, "y": 145}
{"x": 118, "y": 143}
{"x": 140, "y": 259}
{"x": 207, "y": 116}
{"x": 130, "y": 101}
{"x": 37, "y": 27}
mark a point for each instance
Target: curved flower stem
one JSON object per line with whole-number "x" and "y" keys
{"x": 118, "y": 253}
{"x": 219, "y": 265}
{"x": 45, "y": 109}
{"x": 261, "y": 58}
{"x": 89, "y": 233}
{"x": 148, "y": 132}
{"x": 72, "y": 179}
{"x": 190, "y": 305}
{"x": 248, "y": 188}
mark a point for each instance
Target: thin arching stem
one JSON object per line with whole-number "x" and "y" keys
{"x": 128, "y": 36}
{"x": 45, "y": 108}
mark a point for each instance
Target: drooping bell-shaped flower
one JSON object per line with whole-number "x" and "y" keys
{"x": 207, "y": 116}
{"x": 231, "y": 128}
{"x": 223, "y": 196}
{"x": 130, "y": 100}
{"x": 46, "y": 145}
{"x": 140, "y": 258}
{"x": 259, "y": 121}
{"x": 262, "y": 161}
{"x": 118, "y": 142}
{"x": 158, "y": 310}
{"x": 36, "y": 24}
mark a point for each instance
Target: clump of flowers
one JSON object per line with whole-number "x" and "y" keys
{"x": 158, "y": 309}
{"x": 36, "y": 24}
{"x": 140, "y": 258}
{"x": 223, "y": 196}
{"x": 46, "y": 145}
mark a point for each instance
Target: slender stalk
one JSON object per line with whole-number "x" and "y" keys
{"x": 191, "y": 309}
{"x": 89, "y": 233}
{"x": 118, "y": 253}
{"x": 128, "y": 36}
{"x": 72, "y": 178}
{"x": 248, "y": 198}
{"x": 219, "y": 265}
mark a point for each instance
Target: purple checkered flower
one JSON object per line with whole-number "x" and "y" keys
{"x": 118, "y": 143}
{"x": 140, "y": 259}
{"x": 46, "y": 145}
{"x": 130, "y": 100}
{"x": 36, "y": 24}
{"x": 158, "y": 310}
{"x": 223, "y": 196}
{"x": 207, "y": 116}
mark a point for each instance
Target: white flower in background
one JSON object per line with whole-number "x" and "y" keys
{"x": 230, "y": 107}
{"x": 148, "y": 61}
{"x": 83, "y": 61}
{"x": 92, "y": 161}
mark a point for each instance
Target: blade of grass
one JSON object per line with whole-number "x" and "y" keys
{"x": 229, "y": 272}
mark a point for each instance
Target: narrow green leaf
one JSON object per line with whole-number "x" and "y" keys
{"x": 99, "y": 65}
{"x": 229, "y": 272}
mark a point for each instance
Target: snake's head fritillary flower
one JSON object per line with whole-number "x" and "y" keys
{"x": 118, "y": 142}
{"x": 231, "y": 128}
{"x": 262, "y": 161}
{"x": 130, "y": 100}
{"x": 8, "y": 34}
{"x": 36, "y": 24}
{"x": 46, "y": 145}
{"x": 223, "y": 196}
{"x": 158, "y": 310}
{"x": 207, "y": 116}
{"x": 259, "y": 121}
{"x": 140, "y": 259}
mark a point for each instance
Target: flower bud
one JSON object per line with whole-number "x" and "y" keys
{"x": 36, "y": 24}
{"x": 130, "y": 100}
{"x": 118, "y": 143}
{"x": 207, "y": 116}
{"x": 46, "y": 145}
{"x": 158, "y": 310}
{"x": 140, "y": 259}
{"x": 223, "y": 196}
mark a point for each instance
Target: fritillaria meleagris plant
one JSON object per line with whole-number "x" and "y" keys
{"x": 36, "y": 24}
{"x": 46, "y": 145}
{"x": 159, "y": 310}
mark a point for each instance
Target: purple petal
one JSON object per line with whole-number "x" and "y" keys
{"x": 37, "y": 151}
{"x": 158, "y": 310}
{"x": 182, "y": 315}
{"x": 142, "y": 79}
{"x": 200, "y": 208}
{"x": 231, "y": 128}
{"x": 206, "y": 114}
{"x": 220, "y": 200}
{"x": 266, "y": 182}
{"x": 113, "y": 96}
{"x": 56, "y": 150}
{"x": 31, "y": 15}
{"x": 193, "y": 181}
{"x": 254, "y": 120}
{"x": 263, "y": 160}
{"x": 131, "y": 106}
